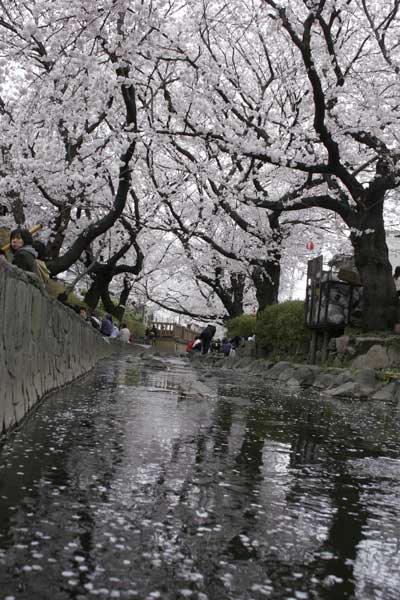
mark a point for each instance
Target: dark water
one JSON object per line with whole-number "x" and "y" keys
{"x": 130, "y": 484}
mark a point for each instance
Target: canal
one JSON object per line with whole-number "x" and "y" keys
{"x": 147, "y": 480}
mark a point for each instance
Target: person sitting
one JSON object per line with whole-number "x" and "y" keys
{"x": 95, "y": 321}
{"x": 24, "y": 255}
{"x": 41, "y": 267}
{"x": 194, "y": 345}
{"x": 226, "y": 347}
{"x": 215, "y": 346}
{"x": 83, "y": 312}
{"x": 124, "y": 334}
{"x": 106, "y": 326}
{"x": 4, "y": 264}
{"x": 115, "y": 331}
{"x": 236, "y": 342}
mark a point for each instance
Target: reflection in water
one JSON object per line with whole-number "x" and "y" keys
{"x": 132, "y": 484}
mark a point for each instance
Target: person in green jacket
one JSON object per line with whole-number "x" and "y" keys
{"x": 24, "y": 255}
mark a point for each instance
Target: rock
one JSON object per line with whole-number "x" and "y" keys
{"x": 394, "y": 355}
{"x": 388, "y": 392}
{"x": 342, "y": 343}
{"x": 294, "y": 383}
{"x": 376, "y": 358}
{"x": 277, "y": 369}
{"x": 351, "y": 389}
{"x": 363, "y": 344}
{"x": 366, "y": 377}
{"x": 323, "y": 380}
{"x": 287, "y": 374}
{"x": 155, "y": 364}
{"x": 306, "y": 375}
{"x": 342, "y": 378}
{"x": 198, "y": 389}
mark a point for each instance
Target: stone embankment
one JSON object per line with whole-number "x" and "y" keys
{"x": 43, "y": 345}
{"x": 359, "y": 383}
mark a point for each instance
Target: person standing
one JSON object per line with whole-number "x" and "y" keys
{"x": 206, "y": 336}
{"x": 153, "y": 335}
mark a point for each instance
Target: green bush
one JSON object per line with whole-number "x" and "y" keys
{"x": 135, "y": 326}
{"x": 245, "y": 326}
{"x": 281, "y": 330}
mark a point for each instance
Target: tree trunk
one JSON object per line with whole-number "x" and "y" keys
{"x": 99, "y": 286}
{"x": 266, "y": 283}
{"x": 123, "y": 299}
{"x": 59, "y": 228}
{"x": 108, "y": 304}
{"x": 379, "y": 302}
{"x": 93, "y": 295}
{"x": 238, "y": 282}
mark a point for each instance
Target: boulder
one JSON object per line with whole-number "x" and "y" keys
{"x": 306, "y": 375}
{"x": 293, "y": 383}
{"x": 342, "y": 377}
{"x": 342, "y": 344}
{"x": 351, "y": 389}
{"x": 366, "y": 376}
{"x": 277, "y": 369}
{"x": 376, "y": 358}
{"x": 287, "y": 374}
{"x": 388, "y": 392}
{"x": 323, "y": 380}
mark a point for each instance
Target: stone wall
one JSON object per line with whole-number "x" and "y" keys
{"x": 43, "y": 345}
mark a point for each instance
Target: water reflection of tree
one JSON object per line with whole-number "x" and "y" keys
{"x": 311, "y": 432}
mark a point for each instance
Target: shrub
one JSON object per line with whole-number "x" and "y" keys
{"x": 135, "y": 326}
{"x": 244, "y": 326}
{"x": 280, "y": 328}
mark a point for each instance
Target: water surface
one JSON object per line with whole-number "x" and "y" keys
{"x": 140, "y": 482}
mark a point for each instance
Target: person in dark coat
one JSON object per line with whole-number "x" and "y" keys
{"x": 21, "y": 244}
{"x": 206, "y": 336}
{"x": 106, "y": 327}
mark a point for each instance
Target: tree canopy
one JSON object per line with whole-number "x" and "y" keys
{"x": 203, "y": 142}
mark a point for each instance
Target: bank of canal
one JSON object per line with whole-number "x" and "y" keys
{"x": 137, "y": 483}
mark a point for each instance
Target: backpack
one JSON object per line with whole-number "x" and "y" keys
{"x": 42, "y": 271}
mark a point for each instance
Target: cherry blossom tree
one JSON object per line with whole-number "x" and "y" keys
{"x": 239, "y": 122}
{"x": 71, "y": 106}
{"x": 307, "y": 92}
